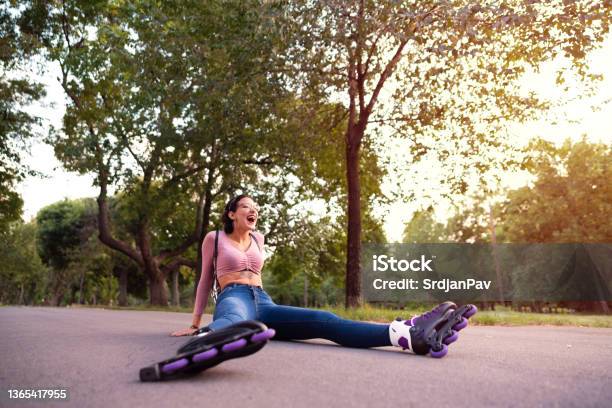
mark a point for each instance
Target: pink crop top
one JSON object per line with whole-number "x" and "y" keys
{"x": 229, "y": 259}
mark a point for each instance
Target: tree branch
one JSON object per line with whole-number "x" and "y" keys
{"x": 359, "y": 56}
{"x": 178, "y": 262}
{"x": 104, "y": 225}
{"x": 383, "y": 77}
{"x": 266, "y": 161}
{"x": 192, "y": 238}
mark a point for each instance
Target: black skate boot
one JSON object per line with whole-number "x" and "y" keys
{"x": 432, "y": 331}
{"x": 210, "y": 348}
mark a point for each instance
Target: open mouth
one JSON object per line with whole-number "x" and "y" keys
{"x": 251, "y": 219}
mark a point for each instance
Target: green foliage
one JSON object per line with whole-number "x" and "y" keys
{"x": 315, "y": 250}
{"x": 63, "y": 227}
{"x": 17, "y": 125}
{"x": 171, "y": 102}
{"x": 571, "y": 200}
{"x": 178, "y": 105}
{"x": 473, "y": 224}
{"x": 23, "y": 275}
{"x": 107, "y": 289}
{"x": 424, "y": 229}
{"x": 314, "y": 138}
{"x": 68, "y": 245}
{"x": 452, "y": 68}
{"x": 329, "y": 291}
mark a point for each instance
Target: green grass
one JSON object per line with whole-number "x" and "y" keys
{"x": 502, "y": 316}
{"x": 512, "y": 318}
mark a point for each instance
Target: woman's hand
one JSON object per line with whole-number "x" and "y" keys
{"x": 184, "y": 332}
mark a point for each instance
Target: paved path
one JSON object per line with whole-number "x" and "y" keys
{"x": 97, "y": 353}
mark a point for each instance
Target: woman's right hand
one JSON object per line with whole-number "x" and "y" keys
{"x": 184, "y": 332}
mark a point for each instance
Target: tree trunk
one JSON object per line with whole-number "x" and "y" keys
{"x": 81, "y": 284}
{"x": 143, "y": 254}
{"x": 353, "y": 267}
{"x": 57, "y": 291}
{"x": 604, "y": 307}
{"x": 498, "y": 272}
{"x": 123, "y": 282}
{"x": 158, "y": 290}
{"x": 176, "y": 300}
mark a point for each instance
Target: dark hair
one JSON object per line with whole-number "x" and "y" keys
{"x": 228, "y": 223}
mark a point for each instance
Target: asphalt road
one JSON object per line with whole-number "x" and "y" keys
{"x": 96, "y": 354}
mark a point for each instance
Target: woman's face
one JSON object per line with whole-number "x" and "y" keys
{"x": 245, "y": 216}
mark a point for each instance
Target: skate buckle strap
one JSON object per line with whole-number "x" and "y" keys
{"x": 399, "y": 334}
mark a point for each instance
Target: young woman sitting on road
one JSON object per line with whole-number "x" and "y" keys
{"x": 240, "y": 259}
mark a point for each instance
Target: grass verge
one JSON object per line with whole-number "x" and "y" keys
{"x": 502, "y": 316}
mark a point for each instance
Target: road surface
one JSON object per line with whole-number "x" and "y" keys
{"x": 96, "y": 354}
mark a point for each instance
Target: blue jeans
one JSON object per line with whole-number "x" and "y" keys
{"x": 238, "y": 302}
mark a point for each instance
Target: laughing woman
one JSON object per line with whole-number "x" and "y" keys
{"x": 240, "y": 259}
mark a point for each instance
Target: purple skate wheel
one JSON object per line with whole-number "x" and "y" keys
{"x": 205, "y": 355}
{"x": 441, "y": 353}
{"x": 452, "y": 338}
{"x": 234, "y": 345}
{"x": 175, "y": 365}
{"x": 461, "y": 325}
{"x": 471, "y": 312}
{"x": 263, "y": 336}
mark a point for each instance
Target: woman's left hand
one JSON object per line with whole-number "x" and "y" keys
{"x": 184, "y": 332}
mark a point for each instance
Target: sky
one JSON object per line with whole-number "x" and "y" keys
{"x": 590, "y": 116}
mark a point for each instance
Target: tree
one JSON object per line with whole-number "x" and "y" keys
{"x": 23, "y": 275}
{"x": 569, "y": 202}
{"x": 16, "y": 124}
{"x": 177, "y": 102}
{"x": 451, "y": 66}
{"x": 64, "y": 232}
{"x": 165, "y": 99}
{"x": 571, "y": 199}
{"x": 303, "y": 257}
{"x": 474, "y": 222}
{"x": 423, "y": 228}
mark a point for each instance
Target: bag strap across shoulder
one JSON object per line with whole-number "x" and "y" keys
{"x": 216, "y": 285}
{"x": 256, "y": 241}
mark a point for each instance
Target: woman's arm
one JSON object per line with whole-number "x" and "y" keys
{"x": 204, "y": 286}
{"x": 206, "y": 277}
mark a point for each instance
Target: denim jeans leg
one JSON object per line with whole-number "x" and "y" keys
{"x": 295, "y": 323}
{"x": 234, "y": 304}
